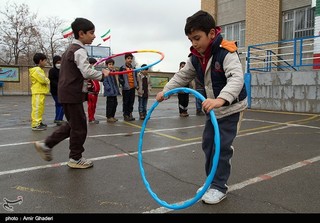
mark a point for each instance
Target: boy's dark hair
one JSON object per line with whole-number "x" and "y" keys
{"x": 109, "y": 61}
{"x": 81, "y": 24}
{"x": 144, "y": 65}
{"x": 201, "y": 21}
{"x": 128, "y": 55}
{"x": 182, "y": 63}
{"x": 38, "y": 56}
{"x": 92, "y": 60}
{"x": 55, "y": 59}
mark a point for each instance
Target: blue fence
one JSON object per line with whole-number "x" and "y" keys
{"x": 289, "y": 55}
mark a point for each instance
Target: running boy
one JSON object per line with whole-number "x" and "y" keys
{"x": 75, "y": 68}
{"x": 215, "y": 62}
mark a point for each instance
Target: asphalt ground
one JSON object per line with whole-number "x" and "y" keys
{"x": 275, "y": 167}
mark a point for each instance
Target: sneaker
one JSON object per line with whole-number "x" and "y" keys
{"x": 38, "y": 128}
{"x": 200, "y": 189}
{"x": 60, "y": 122}
{"x": 200, "y": 113}
{"x": 111, "y": 120}
{"x": 82, "y": 163}
{"x": 184, "y": 114}
{"x": 43, "y": 150}
{"x": 44, "y": 125}
{"x": 128, "y": 118}
{"x": 213, "y": 196}
{"x": 94, "y": 122}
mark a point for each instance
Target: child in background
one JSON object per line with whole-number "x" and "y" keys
{"x": 198, "y": 86}
{"x": 39, "y": 89}
{"x": 128, "y": 82}
{"x": 93, "y": 92}
{"x": 54, "y": 80}
{"x": 111, "y": 91}
{"x": 183, "y": 98}
{"x": 144, "y": 90}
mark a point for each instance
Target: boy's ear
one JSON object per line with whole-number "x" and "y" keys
{"x": 212, "y": 34}
{"x": 81, "y": 33}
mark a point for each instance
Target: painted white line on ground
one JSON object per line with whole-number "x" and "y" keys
{"x": 254, "y": 180}
{"x": 97, "y": 158}
{"x": 112, "y": 135}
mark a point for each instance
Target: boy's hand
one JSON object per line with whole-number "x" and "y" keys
{"x": 105, "y": 72}
{"x": 210, "y": 104}
{"x": 159, "y": 96}
{"x": 89, "y": 84}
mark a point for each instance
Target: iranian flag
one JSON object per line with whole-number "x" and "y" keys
{"x": 67, "y": 32}
{"x": 106, "y": 36}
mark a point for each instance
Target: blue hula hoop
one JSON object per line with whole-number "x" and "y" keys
{"x": 215, "y": 158}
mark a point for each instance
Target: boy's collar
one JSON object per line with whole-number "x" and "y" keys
{"x": 76, "y": 41}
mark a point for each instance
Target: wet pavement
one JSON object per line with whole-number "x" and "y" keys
{"x": 275, "y": 167}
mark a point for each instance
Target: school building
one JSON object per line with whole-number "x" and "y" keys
{"x": 258, "y": 21}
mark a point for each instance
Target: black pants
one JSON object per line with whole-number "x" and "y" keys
{"x": 228, "y": 131}
{"x": 128, "y": 101}
{"x": 183, "y": 99}
{"x": 111, "y": 106}
{"x": 75, "y": 128}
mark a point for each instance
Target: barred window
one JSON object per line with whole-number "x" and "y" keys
{"x": 298, "y": 23}
{"x": 235, "y": 32}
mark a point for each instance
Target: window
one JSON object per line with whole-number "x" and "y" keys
{"x": 298, "y": 23}
{"x": 235, "y": 32}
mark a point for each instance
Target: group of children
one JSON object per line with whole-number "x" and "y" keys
{"x": 40, "y": 87}
{"x": 213, "y": 61}
{"x": 130, "y": 82}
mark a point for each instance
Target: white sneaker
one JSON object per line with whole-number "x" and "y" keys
{"x": 43, "y": 150}
{"x": 201, "y": 189}
{"x": 82, "y": 163}
{"x": 213, "y": 196}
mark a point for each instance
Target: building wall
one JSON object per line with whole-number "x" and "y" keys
{"x": 210, "y": 6}
{"x": 262, "y": 21}
{"x": 227, "y": 12}
{"x": 263, "y": 18}
{"x": 290, "y": 4}
{"x": 286, "y": 91}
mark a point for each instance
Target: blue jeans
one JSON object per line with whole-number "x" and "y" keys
{"x": 59, "y": 109}
{"x": 143, "y": 102}
{"x": 198, "y": 101}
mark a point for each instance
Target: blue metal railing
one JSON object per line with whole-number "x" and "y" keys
{"x": 288, "y": 55}
{"x": 293, "y": 54}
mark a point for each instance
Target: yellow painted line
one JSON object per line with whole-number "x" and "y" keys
{"x": 262, "y": 128}
{"x": 162, "y": 134}
{"x": 280, "y": 124}
{"x": 281, "y": 112}
{"x": 29, "y": 189}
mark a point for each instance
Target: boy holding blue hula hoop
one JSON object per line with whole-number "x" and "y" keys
{"x": 216, "y": 64}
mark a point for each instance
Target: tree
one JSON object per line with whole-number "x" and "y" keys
{"x": 17, "y": 30}
{"x": 50, "y": 40}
